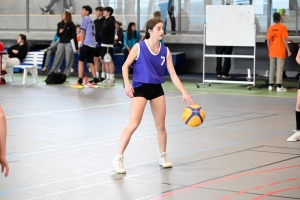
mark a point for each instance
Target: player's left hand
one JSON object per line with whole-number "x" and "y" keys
{"x": 289, "y": 53}
{"x": 186, "y": 97}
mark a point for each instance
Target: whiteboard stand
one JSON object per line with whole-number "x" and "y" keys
{"x": 247, "y": 80}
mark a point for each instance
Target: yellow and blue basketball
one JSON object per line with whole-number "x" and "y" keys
{"x": 193, "y": 115}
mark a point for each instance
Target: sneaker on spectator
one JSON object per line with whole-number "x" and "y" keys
{"x": 101, "y": 79}
{"x": 110, "y": 82}
{"x": 77, "y": 86}
{"x": 70, "y": 10}
{"x": 117, "y": 164}
{"x": 44, "y": 50}
{"x": 89, "y": 70}
{"x": 223, "y": 76}
{"x": 294, "y": 137}
{"x": 72, "y": 70}
{"x": 58, "y": 70}
{"x": 94, "y": 85}
{"x": 282, "y": 89}
{"x": 270, "y": 88}
{"x": 164, "y": 161}
{"x": 45, "y": 69}
{"x": 103, "y": 82}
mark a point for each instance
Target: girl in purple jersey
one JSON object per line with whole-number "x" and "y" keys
{"x": 296, "y": 136}
{"x": 150, "y": 59}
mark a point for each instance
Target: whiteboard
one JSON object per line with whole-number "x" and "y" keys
{"x": 230, "y": 25}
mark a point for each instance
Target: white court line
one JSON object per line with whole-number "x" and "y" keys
{"x": 86, "y": 108}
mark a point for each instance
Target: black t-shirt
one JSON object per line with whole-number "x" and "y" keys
{"x": 98, "y": 24}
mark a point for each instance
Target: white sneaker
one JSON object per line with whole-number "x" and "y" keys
{"x": 45, "y": 69}
{"x": 117, "y": 164}
{"x": 104, "y": 82}
{"x": 282, "y": 89}
{"x": 72, "y": 70}
{"x": 294, "y": 137}
{"x": 44, "y": 50}
{"x": 270, "y": 88}
{"x": 164, "y": 161}
{"x": 110, "y": 82}
{"x": 58, "y": 70}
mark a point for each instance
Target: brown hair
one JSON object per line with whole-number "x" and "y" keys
{"x": 68, "y": 18}
{"x": 119, "y": 23}
{"x": 157, "y": 15}
{"x": 151, "y": 23}
{"x": 78, "y": 26}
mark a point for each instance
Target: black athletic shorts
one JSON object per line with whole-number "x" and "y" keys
{"x": 149, "y": 91}
{"x": 97, "y": 51}
{"x": 104, "y": 50}
{"x": 87, "y": 53}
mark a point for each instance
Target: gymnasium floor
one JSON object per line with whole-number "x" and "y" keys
{"x": 61, "y": 141}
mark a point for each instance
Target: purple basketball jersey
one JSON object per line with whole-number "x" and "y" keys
{"x": 149, "y": 67}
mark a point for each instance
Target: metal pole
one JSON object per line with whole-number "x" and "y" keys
{"x": 179, "y": 16}
{"x": 138, "y": 15}
{"x": 27, "y": 15}
{"x": 269, "y": 13}
{"x": 297, "y": 12}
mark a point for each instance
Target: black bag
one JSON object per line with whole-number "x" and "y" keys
{"x": 56, "y": 78}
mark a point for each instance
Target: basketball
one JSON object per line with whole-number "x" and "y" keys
{"x": 1, "y": 46}
{"x": 193, "y": 115}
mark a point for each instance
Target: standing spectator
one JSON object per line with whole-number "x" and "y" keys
{"x": 50, "y": 50}
{"x": 277, "y": 45}
{"x": 3, "y": 162}
{"x": 223, "y": 71}
{"x": 99, "y": 25}
{"x": 67, "y": 4}
{"x": 66, "y": 30}
{"x": 119, "y": 38}
{"x": 16, "y": 53}
{"x": 131, "y": 37}
{"x": 171, "y": 9}
{"x": 107, "y": 45}
{"x": 87, "y": 51}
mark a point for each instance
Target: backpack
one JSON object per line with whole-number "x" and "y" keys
{"x": 55, "y": 78}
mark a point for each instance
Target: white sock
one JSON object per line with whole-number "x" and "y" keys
{"x": 112, "y": 76}
{"x": 107, "y": 76}
{"x": 103, "y": 75}
{"x": 97, "y": 74}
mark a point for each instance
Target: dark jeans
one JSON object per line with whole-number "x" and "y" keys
{"x": 227, "y": 61}
{"x": 172, "y": 20}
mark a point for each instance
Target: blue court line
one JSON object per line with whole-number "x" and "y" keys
{"x": 91, "y": 185}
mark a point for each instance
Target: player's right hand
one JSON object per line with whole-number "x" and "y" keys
{"x": 4, "y": 165}
{"x": 129, "y": 90}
